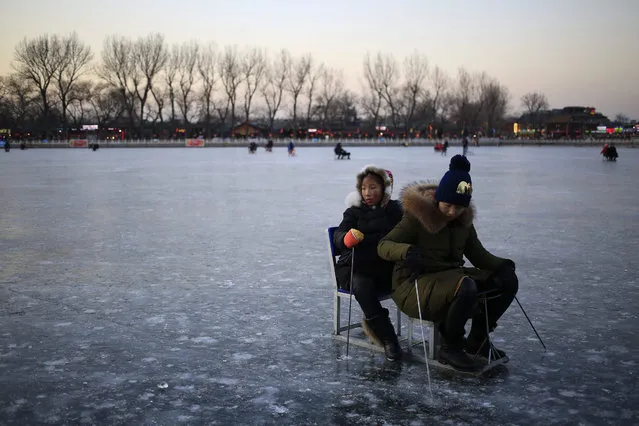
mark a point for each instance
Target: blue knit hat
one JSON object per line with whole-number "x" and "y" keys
{"x": 456, "y": 185}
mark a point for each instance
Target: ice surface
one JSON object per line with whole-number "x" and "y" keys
{"x": 123, "y": 270}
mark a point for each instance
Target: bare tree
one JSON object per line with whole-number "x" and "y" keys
{"x": 79, "y": 104}
{"x": 331, "y": 87}
{"x": 253, "y": 70}
{"x": 37, "y": 60}
{"x": 495, "y": 98}
{"x": 535, "y": 103}
{"x": 160, "y": 95}
{"x": 207, "y": 68}
{"x": 74, "y": 59}
{"x": 388, "y": 75}
{"x": 480, "y": 81}
{"x": 622, "y": 118}
{"x": 222, "y": 107}
{"x": 439, "y": 81}
{"x": 344, "y": 109}
{"x": 277, "y": 76}
{"x": 20, "y": 99}
{"x": 466, "y": 101}
{"x": 5, "y": 101}
{"x": 106, "y": 103}
{"x": 313, "y": 75}
{"x": 117, "y": 70}
{"x": 415, "y": 74}
{"x": 187, "y": 74}
{"x": 173, "y": 64}
{"x": 230, "y": 73}
{"x": 152, "y": 116}
{"x": 133, "y": 68}
{"x": 151, "y": 56}
{"x": 297, "y": 76}
{"x": 374, "y": 99}
{"x": 447, "y": 106}
{"x": 463, "y": 97}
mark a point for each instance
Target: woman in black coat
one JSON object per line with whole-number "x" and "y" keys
{"x": 369, "y": 216}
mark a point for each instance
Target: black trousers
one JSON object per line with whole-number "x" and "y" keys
{"x": 500, "y": 288}
{"x": 367, "y": 291}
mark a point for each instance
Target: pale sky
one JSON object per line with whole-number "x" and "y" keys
{"x": 577, "y": 52}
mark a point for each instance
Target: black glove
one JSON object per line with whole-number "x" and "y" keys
{"x": 504, "y": 272}
{"x": 414, "y": 261}
{"x": 507, "y": 266}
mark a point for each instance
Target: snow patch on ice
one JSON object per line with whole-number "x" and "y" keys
{"x": 569, "y": 393}
{"x": 204, "y": 339}
{"x": 596, "y": 358}
{"x": 618, "y": 349}
{"x": 187, "y": 388}
{"x": 56, "y": 362}
{"x": 278, "y": 409}
{"x": 155, "y": 320}
{"x": 242, "y": 356}
{"x": 224, "y": 381}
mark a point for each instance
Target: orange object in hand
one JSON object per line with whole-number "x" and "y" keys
{"x": 352, "y": 238}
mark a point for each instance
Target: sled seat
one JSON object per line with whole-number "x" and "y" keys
{"x": 339, "y": 295}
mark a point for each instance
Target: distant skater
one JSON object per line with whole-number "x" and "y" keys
{"x": 269, "y": 146}
{"x": 445, "y": 148}
{"x": 340, "y": 152}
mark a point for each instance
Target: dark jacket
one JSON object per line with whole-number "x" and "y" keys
{"x": 374, "y": 223}
{"x": 442, "y": 245}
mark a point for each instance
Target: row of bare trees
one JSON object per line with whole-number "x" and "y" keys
{"x": 414, "y": 92}
{"x": 145, "y": 83}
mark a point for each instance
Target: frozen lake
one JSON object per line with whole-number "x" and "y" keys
{"x": 185, "y": 285}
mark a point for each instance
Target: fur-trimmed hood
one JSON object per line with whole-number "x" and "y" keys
{"x": 354, "y": 199}
{"x": 418, "y": 199}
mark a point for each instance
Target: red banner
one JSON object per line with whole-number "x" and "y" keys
{"x": 195, "y": 142}
{"x": 78, "y": 143}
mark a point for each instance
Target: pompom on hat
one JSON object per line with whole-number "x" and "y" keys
{"x": 455, "y": 186}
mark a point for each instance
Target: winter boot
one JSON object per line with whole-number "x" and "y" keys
{"x": 370, "y": 333}
{"x": 454, "y": 355}
{"x": 482, "y": 348}
{"x": 383, "y": 329}
{"x": 451, "y": 352}
{"x": 478, "y": 342}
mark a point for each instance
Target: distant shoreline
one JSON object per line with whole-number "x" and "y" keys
{"x": 217, "y": 143}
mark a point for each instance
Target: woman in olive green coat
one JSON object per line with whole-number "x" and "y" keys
{"x": 429, "y": 244}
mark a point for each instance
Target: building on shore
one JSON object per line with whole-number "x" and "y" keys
{"x": 567, "y": 122}
{"x": 248, "y": 130}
